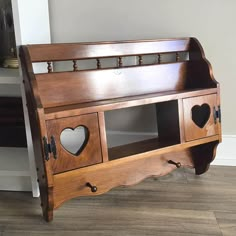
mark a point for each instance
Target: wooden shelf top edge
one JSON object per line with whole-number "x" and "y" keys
{"x": 162, "y": 147}
{"x": 127, "y": 159}
{"x": 138, "y": 147}
{"x": 117, "y": 103}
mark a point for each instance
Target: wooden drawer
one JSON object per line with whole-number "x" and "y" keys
{"x": 77, "y": 142}
{"x": 122, "y": 172}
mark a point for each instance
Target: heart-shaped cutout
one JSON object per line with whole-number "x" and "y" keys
{"x": 74, "y": 140}
{"x": 201, "y": 114}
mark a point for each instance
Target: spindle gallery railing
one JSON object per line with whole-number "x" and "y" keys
{"x": 75, "y": 66}
{"x": 138, "y": 60}
{"x": 172, "y": 76}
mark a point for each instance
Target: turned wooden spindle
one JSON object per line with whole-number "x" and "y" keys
{"x": 98, "y": 64}
{"x": 140, "y": 60}
{"x": 49, "y": 67}
{"x": 75, "y": 65}
{"x": 177, "y": 57}
{"x": 120, "y": 62}
{"x": 159, "y": 58}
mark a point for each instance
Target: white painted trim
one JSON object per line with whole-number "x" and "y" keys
{"x": 27, "y": 21}
{"x": 226, "y": 151}
{"x": 15, "y": 183}
{"x": 14, "y": 173}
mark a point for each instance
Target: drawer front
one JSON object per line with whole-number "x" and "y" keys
{"x": 77, "y": 142}
{"x": 122, "y": 172}
{"x": 199, "y": 120}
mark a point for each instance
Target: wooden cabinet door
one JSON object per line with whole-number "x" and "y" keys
{"x": 77, "y": 142}
{"x": 199, "y": 117}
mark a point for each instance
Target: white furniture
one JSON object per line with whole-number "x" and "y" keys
{"x": 17, "y": 165}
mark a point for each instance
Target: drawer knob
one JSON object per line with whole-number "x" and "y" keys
{"x": 92, "y": 187}
{"x": 177, "y": 164}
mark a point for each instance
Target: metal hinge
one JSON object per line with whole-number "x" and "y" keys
{"x": 217, "y": 114}
{"x": 49, "y": 148}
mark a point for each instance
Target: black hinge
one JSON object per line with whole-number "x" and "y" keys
{"x": 49, "y": 148}
{"x": 217, "y": 114}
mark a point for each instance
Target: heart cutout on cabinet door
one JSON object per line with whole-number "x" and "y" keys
{"x": 201, "y": 114}
{"x": 74, "y": 140}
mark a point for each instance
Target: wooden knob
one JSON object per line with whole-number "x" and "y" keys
{"x": 92, "y": 187}
{"x": 177, "y": 164}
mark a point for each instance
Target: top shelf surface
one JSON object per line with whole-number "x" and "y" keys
{"x": 117, "y": 103}
{"x": 9, "y": 76}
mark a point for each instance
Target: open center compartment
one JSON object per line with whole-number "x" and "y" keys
{"x": 141, "y": 129}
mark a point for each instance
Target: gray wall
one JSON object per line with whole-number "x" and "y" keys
{"x": 211, "y": 21}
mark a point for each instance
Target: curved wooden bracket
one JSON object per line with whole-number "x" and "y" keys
{"x": 203, "y": 155}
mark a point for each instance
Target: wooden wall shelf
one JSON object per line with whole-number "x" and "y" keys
{"x": 70, "y": 110}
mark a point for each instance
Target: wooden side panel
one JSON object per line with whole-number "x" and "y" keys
{"x": 66, "y": 88}
{"x": 69, "y": 51}
{"x": 91, "y": 153}
{"x": 199, "y": 118}
{"x": 38, "y": 129}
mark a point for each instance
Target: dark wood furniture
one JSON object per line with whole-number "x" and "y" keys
{"x": 173, "y": 75}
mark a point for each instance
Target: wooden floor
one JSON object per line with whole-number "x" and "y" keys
{"x": 180, "y": 204}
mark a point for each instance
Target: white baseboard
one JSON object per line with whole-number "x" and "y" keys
{"x": 225, "y": 155}
{"x": 15, "y": 183}
{"x": 14, "y": 169}
{"x": 226, "y": 151}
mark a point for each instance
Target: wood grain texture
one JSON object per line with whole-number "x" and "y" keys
{"x": 192, "y": 131}
{"x": 38, "y": 130}
{"x": 143, "y": 146}
{"x": 96, "y": 50}
{"x": 103, "y": 136}
{"x": 105, "y": 105}
{"x": 180, "y": 204}
{"x": 63, "y": 100}
{"x": 90, "y": 155}
{"x": 123, "y": 174}
{"x": 31, "y": 89}
{"x": 44, "y": 171}
{"x": 153, "y": 147}
{"x": 128, "y": 171}
{"x": 226, "y": 220}
{"x": 55, "y": 88}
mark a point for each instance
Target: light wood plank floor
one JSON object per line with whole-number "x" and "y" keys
{"x": 180, "y": 204}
